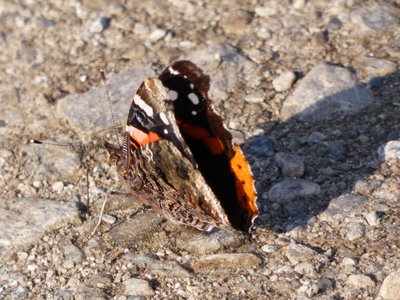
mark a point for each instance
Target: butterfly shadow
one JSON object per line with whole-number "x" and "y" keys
{"x": 337, "y": 153}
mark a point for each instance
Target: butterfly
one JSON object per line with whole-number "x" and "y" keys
{"x": 178, "y": 157}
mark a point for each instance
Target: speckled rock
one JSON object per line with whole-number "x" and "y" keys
{"x": 390, "y": 287}
{"x": 290, "y": 189}
{"x": 370, "y": 67}
{"x": 137, "y": 287}
{"x": 227, "y": 261}
{"x": 289, "y": 164}
{"x": 205, "y": 243}
{"x": 91, "y": 116}
{"x": 390, "y": 150}
{"x": 326, "y": 92}
{"x": 24, "y": 221}
{"x": 299, "y": 253}
{"x": 343, "y": 207}
{"x": 360, "y": 281}
{"x": 284, "y": 81}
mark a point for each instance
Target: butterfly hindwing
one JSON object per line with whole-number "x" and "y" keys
{"x": 222, "y": 163}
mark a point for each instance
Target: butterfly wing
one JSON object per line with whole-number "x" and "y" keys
{"x": 222, "y": 164}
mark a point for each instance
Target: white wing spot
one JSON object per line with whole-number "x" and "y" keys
{"x": 143, "y": 105}
{"x": 194, "y": 112}
{"x": 193, "y": 97}
{"x": 173, "y": 71}
{"x": 192, "y": 86}
{"x": 173, "y": 95}
{"x": 163, "y": 118}
{"x": 165, "y": 131}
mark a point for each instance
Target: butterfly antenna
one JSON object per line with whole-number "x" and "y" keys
{"x": 115, "y": 125}
{"x": 87, "y": 189}
{"x": 75, "y": 146}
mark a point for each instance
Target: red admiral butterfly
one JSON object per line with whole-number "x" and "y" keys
{"x": 178, "y": 157}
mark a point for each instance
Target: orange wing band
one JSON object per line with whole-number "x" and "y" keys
{"x": 244, "y": 182}
{"x": 143, "y": 138}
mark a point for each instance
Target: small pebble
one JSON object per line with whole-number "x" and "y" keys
{"x": 355, "y": 231}
{"x": 269, "y": 248}
{"x": 37, "y": 184}
{"x": 360, "y": 281}
{"x": 99, "y": 25}
{"x": 83, "y": 78}
{"x": 57, "y": 186}
{"x": 390, "y": 287}
{"x": 68, "y": 264}
{"x": 284, "y": 81}
{"x": 157, "y": 35}
{"x": 254, "y": 98}
{"x": 347, "y": 261}
{"x": 373, "y": 218}
{"x": 109, "y": 219}
{"x": 137, "y": 287}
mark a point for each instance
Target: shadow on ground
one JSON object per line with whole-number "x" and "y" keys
{"x": 347, "y": 154}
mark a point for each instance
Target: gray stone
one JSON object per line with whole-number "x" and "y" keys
{"x": 89, "y": 112}
{"x": 337, "y": 151}
{"x": 366, "y": 187}
{"x": 375, "y": 18}
{"x": 297, "y": 253}
{"x": 218, "y": 262}
{"x": 254, "y": 98}
{"x": 344, "y": 207}
{"x": 153, "y": 265}
{"x": 101, "y": 280}
{"x": 221, "y": 62}
{"x": 299, "y": 4}
{"x": 269, "y": 248}
{"x": 206, "y": 243}
{"x": 373, "y": 218}
{"x": 261, "y": 146}
{"x": 316, "y": 137}
{"x": 389, "y": 151}
{"x": 131, "y": 231}
{"x": 24, "y": 221}
{"x": 326, "y": 92}
{"x": 297, "y": 209}
{"x": 99, "y": 24}
{"x": 347, "y": 261}
{"x": 157, "y": 35}
{"x": 66, "y": 294}
{"x": 72, "y": 252}
{"x": 355, "y": 230}
{"x": 390, "y": 287}
{"x": 235, "y": 22}
{"x": 109, "y": 219}
{"x": 324, "y": 284}
{"x": 20, "y": 292}
{"x": 290, "y": 189}
{"x": 370, "y": 67}
{"x": 54, "y": 162}
{"x": 304, "y": 268}
{"x": 138, "y": 287}
{"x": 84, "y": 293}
{"x": 290, "y": 165}
{"x": 265, "y": 11}
{"x": 57, "y": 186}
{"x": 284, "y": 81}
{"x": 360, "y": 281}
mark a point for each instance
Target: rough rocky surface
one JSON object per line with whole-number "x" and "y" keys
{"x": 310, "y": 88}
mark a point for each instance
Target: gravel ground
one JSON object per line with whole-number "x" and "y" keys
{"x": 311, "y": 89}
